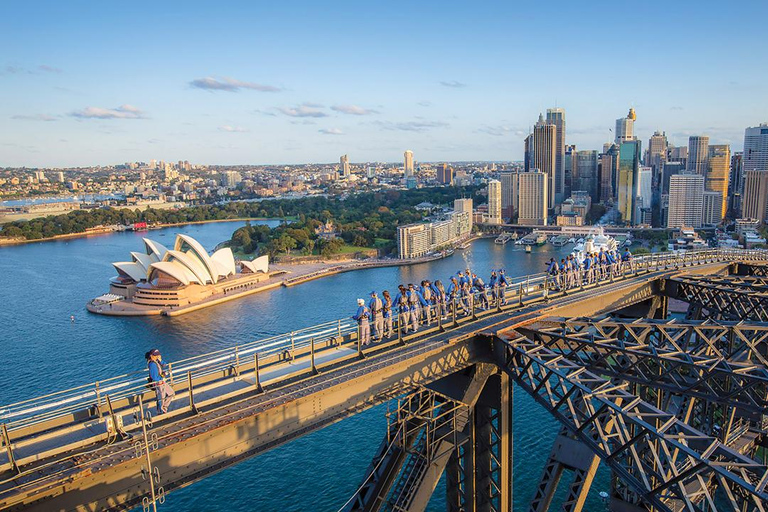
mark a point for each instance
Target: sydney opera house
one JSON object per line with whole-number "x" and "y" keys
{"x": 161, "y": 278}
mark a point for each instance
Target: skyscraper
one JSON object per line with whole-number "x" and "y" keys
{"x": 657, "y": 151}
{"x": 444, "y": 174}
{"x": 494, "y": 202}
{"x": 625, "y": 127}
{"x": 541, "y": 146}
{"x": 735, "y": 185}
{"x": 629, "y": 166}
{"x": 718, "y": 167}
{"x": 644, "y": 195}
{"x": 712, "y": 206}
{"x": 464, "y": 206}
{"x": 756, "y": 148}
{"x": 609, "y": 170}
{"x": 754, "y": 201}
{"x": 532, "y": 198}
{"x": 686, "y": 197}
{"x": 408, "y": 166}
{"x": 509, "y": 193}
{"x": 556, "y": 116}
{"x": 344, "y": 166}
{"x": 698, "y": 151}
{"x": 585, "y": 173}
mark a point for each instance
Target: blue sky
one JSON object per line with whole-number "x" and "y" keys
{"x": 86, "y": 83}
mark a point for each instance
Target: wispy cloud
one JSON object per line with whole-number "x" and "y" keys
{"x": 34, "y": 117}
{"x": 233, "y": 129}
{"x": 48, "y": 69}
{"x": 354, "y": 110}
{"x": 121, "y": 112}
{"x": 230, "y": 85}
{"x": 453, "y": 83}
{"x": 411, "y": 126}
{"x": 676, "y": 107}
{"x": 424, "y": 103}
{"x": 331, "y": 131}
{"x": 303, "y": 110}
{"x": 500, "y": 131}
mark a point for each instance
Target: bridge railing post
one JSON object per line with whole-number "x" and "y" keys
{"x": 191, "y": 390}
{"x": 453, "y": 312}
{"x": 520, "y": 295}
{"x": 400, "y": 328}
{"x": 98, "y": 399}
{"x": 257, "y": 376}
{"x": 237, "y": 361}
{"x": 9, "y": 450}
{"x": 360, "y": 341}
{"x": 313, "y": 368}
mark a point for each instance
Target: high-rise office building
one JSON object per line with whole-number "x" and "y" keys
{"x": 644, "y": 194}
{"x": 344, "y": 166}
{"x": 756, "y": 148}
{"x": 408, "y": 165}
{"x": 509, "y": 194}
{"x": 735, "y": 185}
{"x": 585, "y": 173}
{"x": 712, "y": 207}
{"x": 556, "y": 116}
{"x": 532, "y": 199}
{"x": 609, "y": 170}
{"x": 629, "y": 166}
{"x": 680, "y": 154}
{"x": 494, "y": 202}
{"x": 657, "y": 151}
{"x": 754, "y": 200}
{"x": 541, "y": 146}
{"x": 698, "y": 152}
{"x": 668, "y": 169}
{"x": 464, "y": 206}
{"x": 625, "y": 127}
{"x": 718, "y": 167}
{"x": 686, "y": 197}
{"x": 570, "y": 169}
{"x": 444, "y": 174}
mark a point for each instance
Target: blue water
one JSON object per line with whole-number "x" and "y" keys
{"x": 43, "y": 284}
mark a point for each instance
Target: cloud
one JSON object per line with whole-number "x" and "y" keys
{"x": 34, "y": 117}
{"x": 264, "y": 113}
{"x": 354, "y": 110}
{"x": 453, "y": 83}
{"x": 230, "y": 85}
{"x": 233, "y": 129}
{"x": 424, "y": 103}
{"x": 331, "y": 131}
{"x": 411, "y": 126}
{"x": 303, "y": 110}
{"x": 13, "y": 70}
{"x": 121, "y": 112}
{"x": 676, "y": 108}
{"x": 500, "y": 131}
{"x": 48, "y": 69}
{"x": 313, "y": 105}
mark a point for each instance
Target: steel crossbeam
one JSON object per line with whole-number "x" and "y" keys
{"x": 729, "y": 301}
{"x": 753, "y": 269}
{"x": 671, "y": 466}
{"x": 633, "y": 355}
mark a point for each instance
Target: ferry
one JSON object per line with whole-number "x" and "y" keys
{"x": 560, "y": 240}
{"x": 593, "y": 243}
{"x": 503, "y": 238}
{"x": 534, "y": 238}
{"x": 463, "y": 246}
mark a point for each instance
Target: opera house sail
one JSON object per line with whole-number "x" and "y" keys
{"x": 160, "y": 279}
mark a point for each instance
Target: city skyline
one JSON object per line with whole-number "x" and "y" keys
{"x": 261, "y": 85}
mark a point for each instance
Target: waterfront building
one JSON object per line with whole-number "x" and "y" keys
{"x": 625, "y": 127}
{"x": 509, "y": 193}
{"x": 533, "y": 197}
{"x": 416, "y": 240}
{"x": 542, "y": 155}
{"x": 344, "y": 167}
{"x": 686, "y": 193}
{"x": 494, "y": 202}
{"x": 756, "y": 148}
{"x": 718, "y": 167}
{"x": 754, "y": 201}
{"x": 413, "y": 240}
{"x": 161, "y": 277}
{"x": 698, "y": 151}
{"x": 408, "y": 164}
{"x": 712, "y": 208}
{"x": 556, "y": 117}
{"x": 629, "y": 166}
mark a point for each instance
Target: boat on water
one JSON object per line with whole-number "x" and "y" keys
{"x": 535, "y": 238}
{"x": 503, "y": 238}
{"x": 528, "y": 248}
{"x": 594, "y": 241}
{"x": 463, "y": 246}
{"x": 559, "y": 240}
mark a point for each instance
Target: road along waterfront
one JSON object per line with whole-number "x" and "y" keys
{"x": 45, "y": 351}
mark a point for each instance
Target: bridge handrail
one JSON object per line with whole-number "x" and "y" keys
{"x": 26, "y": 412}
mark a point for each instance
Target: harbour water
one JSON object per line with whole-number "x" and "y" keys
{"x": 44, "y": 284}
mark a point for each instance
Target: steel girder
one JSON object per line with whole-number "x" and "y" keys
{"x": 753, "y": 269}
{"x": 727, "y": 299}
{"x": 670, "y": 466}
{"x": 631, "y": 352}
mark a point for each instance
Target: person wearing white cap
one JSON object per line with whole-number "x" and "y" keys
{"x": 364, "y": 329}
{"x": 376, "y": 306}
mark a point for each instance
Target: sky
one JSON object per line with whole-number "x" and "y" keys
{"x": 99, "y": 83}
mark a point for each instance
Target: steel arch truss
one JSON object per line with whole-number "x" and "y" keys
{"x": 722, "y": 298}
{"x": 752, "y": 269}
{"x": 667, "y": 463}
{"x": 646, "y": 354}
